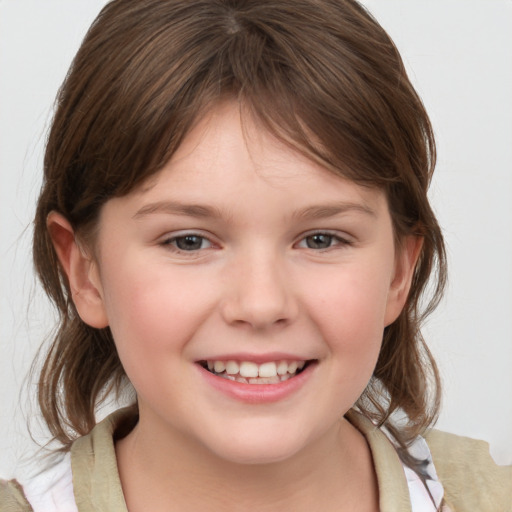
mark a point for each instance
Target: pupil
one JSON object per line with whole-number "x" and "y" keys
{"x": 319, "y": 241}
{"x": 189, "y": 242}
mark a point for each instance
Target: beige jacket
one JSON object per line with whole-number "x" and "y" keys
{"x": 471, "y": 480}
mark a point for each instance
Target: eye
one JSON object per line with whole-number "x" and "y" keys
{"x": 188, "y": 242}
{"x": 319, "y": 241}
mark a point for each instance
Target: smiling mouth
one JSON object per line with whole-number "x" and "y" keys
{"x": 248, "y": 372}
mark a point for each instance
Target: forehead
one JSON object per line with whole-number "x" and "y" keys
{"x": 234, "y": 179}
{"x": 228, "y": 153}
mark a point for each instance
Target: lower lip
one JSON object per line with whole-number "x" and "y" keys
{"x": 258, "y": 393}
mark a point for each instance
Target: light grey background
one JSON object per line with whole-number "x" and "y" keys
{"x": 459, "y": 55}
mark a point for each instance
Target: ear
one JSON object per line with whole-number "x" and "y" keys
{"x": 81, "y": 271}
{"x": 405, "y": 263}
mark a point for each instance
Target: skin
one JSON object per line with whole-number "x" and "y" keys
{"x": 257, "y": 282}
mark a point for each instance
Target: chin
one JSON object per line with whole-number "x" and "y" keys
{"x": 256, "y": 454}
{"x": 257, "y": 447}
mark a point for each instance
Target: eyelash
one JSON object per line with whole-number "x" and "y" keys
{"x": 173, "y": 242}
{"x": 339, "y": 241}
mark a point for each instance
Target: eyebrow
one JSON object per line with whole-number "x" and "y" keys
{"x": 203, "y": 211}
{"x": 331, "y": 210}
{"x": 177, "y": 208}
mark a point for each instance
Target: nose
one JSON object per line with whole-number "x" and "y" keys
{"x": 259, "y": 293}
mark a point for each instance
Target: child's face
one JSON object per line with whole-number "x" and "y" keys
{"x": 242, "y": 250}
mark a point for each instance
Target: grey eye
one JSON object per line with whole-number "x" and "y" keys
{"x": 189, "y": 242}
{"x": 319, "y": 241}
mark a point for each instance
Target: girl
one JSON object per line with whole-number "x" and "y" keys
{"x": 234, "y": 221}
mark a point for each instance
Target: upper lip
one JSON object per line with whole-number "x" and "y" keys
{"x": 255, "y": 358}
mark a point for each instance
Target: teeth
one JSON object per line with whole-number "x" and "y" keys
{"x": 292, "y": 367}
{"x": 265, "y": 380}
{"x": 219, "y": 366}
{"x": 271, "y": 372}
{"x": 232, "y": 368}
{"x": 248, "y": 369}
{"x": 267, "y": 370}
{"x": 282, "y": 368}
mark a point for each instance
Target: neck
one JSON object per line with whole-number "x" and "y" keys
{"x": 333, "y": 473}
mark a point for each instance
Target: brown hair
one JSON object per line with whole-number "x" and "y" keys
{"x": 322, "y": 75}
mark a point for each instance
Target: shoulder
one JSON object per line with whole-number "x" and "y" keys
{"x": 470, "y": 477}
{"x": 87, "y": 475}
{"x": 12, "y": 498}
{"x": 50, "y": 490}
{"x": 94, "y": 463}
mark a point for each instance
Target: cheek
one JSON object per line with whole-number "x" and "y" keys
{"x": 349, "y": 307}
{"x": 151, "y": 321}
{"x": 360, "y": 294}
{"x": 154, "y": 311}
